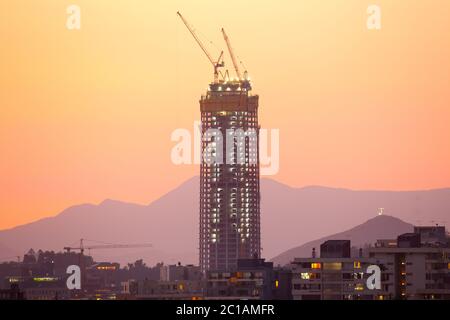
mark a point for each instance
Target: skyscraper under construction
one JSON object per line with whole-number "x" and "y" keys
{"x": 229, "y": 191}
{"x": 229, "y": 172}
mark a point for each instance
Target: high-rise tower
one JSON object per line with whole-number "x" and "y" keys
{"x": 229, "y": 170}
{"x": 229, "y": 189}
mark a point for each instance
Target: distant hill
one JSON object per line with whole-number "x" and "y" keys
{"x": 380, "y": 227}
{"x": 289, "y": 217}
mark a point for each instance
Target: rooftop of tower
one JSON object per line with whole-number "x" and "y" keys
{"x": 232, "y": 95}
{"x": 230, "y": 86}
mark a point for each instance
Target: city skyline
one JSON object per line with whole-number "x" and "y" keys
{"x": 302, "y": 154}
{"x": 399, "y": 266}
{"x": 86, "y": 113}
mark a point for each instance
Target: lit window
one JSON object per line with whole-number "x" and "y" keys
{"x": 359, "y": 287}
{"x": 305, "y": 275}
{"x": 357, "y": 265}
{"x": 316, "y": 265}
{"x": 332, "y": 266}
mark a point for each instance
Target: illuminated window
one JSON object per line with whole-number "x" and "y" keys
{"x": 357, "y": 265}
{"x": 276, "y": 283}
{"x": 44, "y": 279}
{"x": 316, "y": 265}
{"x": 305, "y": 275}
{"x": 332, "y": 266}
{"x": 359, "y": 287}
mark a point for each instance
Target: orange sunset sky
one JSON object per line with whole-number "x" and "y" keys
{"x": 87, "y": 114}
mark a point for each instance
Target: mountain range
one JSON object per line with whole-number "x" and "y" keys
{"x": 289, "y": 217}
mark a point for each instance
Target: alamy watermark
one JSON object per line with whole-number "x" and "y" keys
{"x": 74, "y": 280}
{"x": 73, "y": 21}
{"x": 241, "y": 147}
{"x": 374, "y": 18}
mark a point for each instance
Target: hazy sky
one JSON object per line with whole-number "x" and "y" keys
{"x": 87, "y": 115}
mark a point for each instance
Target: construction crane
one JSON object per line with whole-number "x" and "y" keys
{"x": 216, "y": 64}
{"x": 233, "y": 58}
{"x": 82, "y": 247}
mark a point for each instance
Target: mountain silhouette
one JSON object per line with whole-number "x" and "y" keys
{"x": 289, "y": 217}
{"x": 380, "y": 227}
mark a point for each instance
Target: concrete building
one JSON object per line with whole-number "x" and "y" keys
{"x": 413, "y": 266}
{"x": 41, "y": 288}
{"x": 47, "y": 293}
{"x": 432, "y": 235}
{"x": 253, "y": 279}
{"x": 13, "y": 293}
{"x": 419, "y": 266}
{"x": 336, "y": 278}
{"x": 169, "y": 290}
{"x": 101, "y": 280}
{"x": 229, "y": 176}
{"x": 335, "y": 249}
{"x": 180, "y": 272}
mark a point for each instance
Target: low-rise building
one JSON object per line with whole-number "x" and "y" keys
{"x": 336, "y": 278}
{"x": 13, "y": 293}
{"x": 180, "y": 272}
{"x": 419, "y": 265}
{"x": 253, "y": 279}
{"x": 414, "y": 266}
{"x": 170, "y": 290}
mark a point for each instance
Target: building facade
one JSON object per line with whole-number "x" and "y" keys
{"x": 254, "y": 279}
{"x": 229, "y": 176}
{"x": 336, "y": 275}
{"x": 418, "y": 266}
{"x": 333, "y": 279}
{"x": 415, "y": 266}
{"x": 180, "y": 272}
{"x": 169, "y": 290}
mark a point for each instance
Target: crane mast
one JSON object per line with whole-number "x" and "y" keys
{"x": 233, "y": 58}
{"x": 216, "y": 64}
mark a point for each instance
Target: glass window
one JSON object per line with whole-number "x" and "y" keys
{"x": 332, "y": 265}
{"x": 316, "y": 265}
